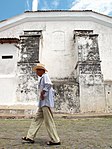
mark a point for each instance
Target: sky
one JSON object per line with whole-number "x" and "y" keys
{"x": 11, "y": 8}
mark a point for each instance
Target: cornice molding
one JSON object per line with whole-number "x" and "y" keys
{"x": 45, "y": 16}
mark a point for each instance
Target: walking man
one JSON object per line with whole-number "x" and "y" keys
{"x": 46, "y": 102}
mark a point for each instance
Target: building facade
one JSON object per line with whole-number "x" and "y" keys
{"x": 76, "y": 48}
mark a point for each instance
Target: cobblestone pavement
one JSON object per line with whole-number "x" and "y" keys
{"x": 82, "y": 133}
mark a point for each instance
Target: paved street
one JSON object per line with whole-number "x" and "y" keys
{"x": 82, "y": 133}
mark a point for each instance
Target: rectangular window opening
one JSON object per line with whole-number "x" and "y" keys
{"x": 7, "y": 57}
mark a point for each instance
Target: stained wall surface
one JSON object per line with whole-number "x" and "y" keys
{"x": 60, "y": 51}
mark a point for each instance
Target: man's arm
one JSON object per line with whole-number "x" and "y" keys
{"x": 45, "y": 89}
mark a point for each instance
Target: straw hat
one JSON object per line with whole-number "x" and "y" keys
{"x": 39, "y": 66}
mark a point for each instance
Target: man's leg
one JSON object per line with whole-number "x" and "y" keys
{"x": 35, "y": 124}
{"x": 50, "y": 125}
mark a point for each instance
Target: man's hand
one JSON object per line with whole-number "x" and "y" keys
{"x": 42, "y": 95}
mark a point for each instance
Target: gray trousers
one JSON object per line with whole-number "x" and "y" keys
{"x": 43, "y": 114}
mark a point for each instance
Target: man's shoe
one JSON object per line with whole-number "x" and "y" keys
{"x": 53, "y": 143}
{"x": 27, "y": 140}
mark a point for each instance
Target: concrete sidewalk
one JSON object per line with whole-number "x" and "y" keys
{"x": 60, "y": 115}
{"x": 75, "y": 133}
{"x": 23, "y": 111}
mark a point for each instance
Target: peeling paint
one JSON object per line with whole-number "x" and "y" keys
{"x": 28, "y": 57}
{"x": 89, "y": 72}
{"x": 66, "y": 99}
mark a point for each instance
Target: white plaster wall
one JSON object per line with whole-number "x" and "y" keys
{"x": 7, "y": 91}
{"x": 8, "y": 66}
{"x": 8, "y": 74}
{"x": 105, "y": 45}
{"x": 92, "y": 99}
{"x": 60, "y": 60}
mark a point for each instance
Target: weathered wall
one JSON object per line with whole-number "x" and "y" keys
{"x": 67, "y": 96}
{"x": 57, "y": 50}
{"x": 89, "y": 76}
{"x": 67, "y": 48}
{"x": 28, "y": 57}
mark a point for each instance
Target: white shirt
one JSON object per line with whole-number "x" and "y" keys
{"x": 46, "y": 85}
